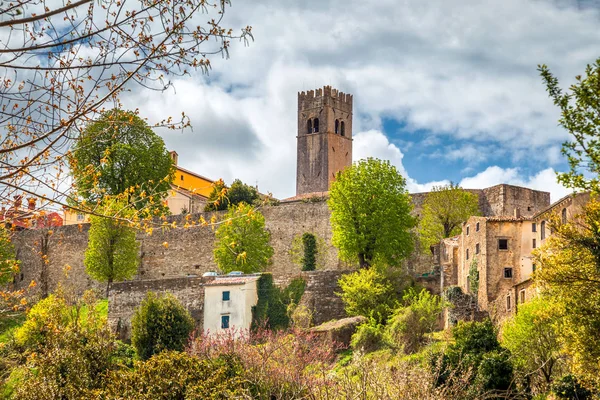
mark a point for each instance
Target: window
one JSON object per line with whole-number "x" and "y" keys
{"x": 477, "y": 248}
{"x": 533, "y": 267}
{"x": 181, "y": 177}
{"x": 80, "y": 217}
{"x": 522, "y": 296}
{"x": 316, "y": 125}
{"x": 224, "y": 321}
{"x": 226, "y": 295}
{"x": 528, "y": 208}
{"x": 508, "y": 305}
{"x": 343, "y": 129}
{"x": 508, "y": 273}
{"x": 533, "y": 245}
{"x": 564, "y": 215}
{"x": 337, "y": 126}
{"x": 467, "y": 230}
{"x": 502, "y": 244}
{"x": 467, "y": 254}
{"x": 477, "y": 227}
{"x": 309, "y": 126}
{"x": 543, "y": 230}
{"x": 533, "y": 227}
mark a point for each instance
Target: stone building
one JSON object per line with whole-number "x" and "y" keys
{"x": 324, "y": 138}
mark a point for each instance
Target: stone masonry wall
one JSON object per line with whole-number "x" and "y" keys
{"x": 125, "y": 297}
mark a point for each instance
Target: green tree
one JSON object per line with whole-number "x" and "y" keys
{"x": 579, "y": 116}
{"x": 368, "y": 292}
{"x": 370, "y": 214}
{"x": 444, "y": 210}
{"x": 309, "y": 251}
{"x": 117, "y": 154}
{"x": 242, "y": 241}
{"x": 160, "y": 323}
{"x": 112, "y": 251}
{"x": 409, "y": 324}
{"x": 569, "y": 271}
{"x": 9, "y": 265}
{"x": 531, "y": 337}
{"x": 221, "y": 197}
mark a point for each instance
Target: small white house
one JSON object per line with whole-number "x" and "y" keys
{"x": 228, "y": 302}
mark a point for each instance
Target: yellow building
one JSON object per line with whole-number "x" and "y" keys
{"x": 189, "y": 193}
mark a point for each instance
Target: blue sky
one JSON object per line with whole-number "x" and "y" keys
{"x": 446, "y": 90}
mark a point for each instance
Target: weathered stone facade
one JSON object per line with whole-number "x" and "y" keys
{"x": 324, "y": 138}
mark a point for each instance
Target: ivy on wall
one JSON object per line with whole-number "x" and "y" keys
{"x": 271, "y": 309}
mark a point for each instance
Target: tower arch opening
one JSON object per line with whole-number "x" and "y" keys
{"x": 316, "y": 125}
{"x": 337, "y": 126}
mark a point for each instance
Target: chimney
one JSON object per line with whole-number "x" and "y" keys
{"x": 517, "y": 213}
{"x": 31, "y": 203}
{"x": 18, "y": 201}
{"x": 174, "y": 156}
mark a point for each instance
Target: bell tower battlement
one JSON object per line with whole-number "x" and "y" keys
{"x": 324, "y": 138}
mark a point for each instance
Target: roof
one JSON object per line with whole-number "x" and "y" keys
{"x": 232, "y": 280}
{"x": 507, "y": 218}
{"x": 307, "y": 196}
{"x": 187, "y": 192}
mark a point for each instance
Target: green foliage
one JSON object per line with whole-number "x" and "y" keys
{"x": 368, "y": 337}
{"x": 568, "y": 387}
{"x": 368, "y": 292}
{"x": 112, "y": 251}
{"x": 174, "y": 376}
{"x": 474, "y": 277}
{"x": 242, "y": 241}
{"x": 495, "y": 371}
{"x": 221, "y": 198}
{"x": 569, "y": 272}
{"x": 309, "y": 251}
{"x": 9, "y": 265}
{"x": 444, "y": 210}
{"x": 409, "y": 325}
{"x": 9, "y": 324}
{"x": 475, "y": 353}
{"x": 119, "y": 153}
{"x": 160, "y": 323}
{"x": 370, "y": 214}
{"x": 309, "y": 261}
{"x": 271, "y": 309}
{"x": 531, "y": 337}
{"x": 68, "y": 351}
{"x": 579, "y": 109}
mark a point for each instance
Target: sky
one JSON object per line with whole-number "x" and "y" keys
{"x": 445, "y": 90}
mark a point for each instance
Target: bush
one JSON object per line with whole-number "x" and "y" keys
{"x": 475, "y": 337}
{"x": 408, "y": 326}
{"x": 368, "y": 292}
{"x": 495, "y": 371}
{"x": 309, "y": 261}
{"x": 568, "y": 387}
{"x": 174, "y": 375}
{"x": 160, "y": 323}
{"x": 368, "y": 337}
{"x": 271, "y": 309}
{"x": 47, "y": 315}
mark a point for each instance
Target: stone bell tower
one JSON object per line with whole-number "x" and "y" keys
{"x": 324, "y": 138}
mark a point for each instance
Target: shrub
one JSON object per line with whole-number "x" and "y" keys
{"x": 369, "y": 293}
{"x": 43, "y": 318}
{"x": 174, "y": 375}
{"x": 495, "y": 371}
{"x": 160, "y": 323}
{"x": 408, "y": 326}
{"x": 368, "y": 337}
{"x": 568, "y": 387}
{"x": 271, "y": 309}
{"x": 309, "y": 261}
{"x": 475, "y": 337}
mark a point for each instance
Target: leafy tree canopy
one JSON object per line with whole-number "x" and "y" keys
{"x": 370, "y": 214}
{"x": 569, "y": 272}
{"x": 579, "y": 116}
{"x": 112, "y": 251}
{"x": 119, "y": 153}
{"x": 221, "y": 197}
{"x": 444, "y": 210}
{"x": 242, "y": 241}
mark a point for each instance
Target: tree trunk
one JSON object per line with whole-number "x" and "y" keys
{"x": 362, "y": 261}
{"x": 108, "y": 286}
